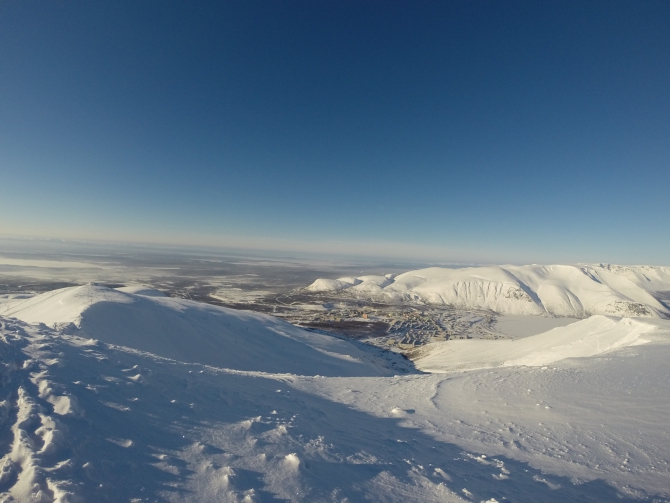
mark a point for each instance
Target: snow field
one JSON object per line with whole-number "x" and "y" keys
{"x": 578, "y": 413}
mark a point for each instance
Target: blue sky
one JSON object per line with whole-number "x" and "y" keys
{"x": 449, "y": 131}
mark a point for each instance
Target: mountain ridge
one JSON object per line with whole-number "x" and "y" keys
{"x": 556, "y": 290}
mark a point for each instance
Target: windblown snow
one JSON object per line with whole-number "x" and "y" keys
{"x": 111, "y": 395}
{"x": 554, "y": 290}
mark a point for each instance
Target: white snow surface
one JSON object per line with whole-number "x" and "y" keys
{"x": 190, "y": 331}
{"x": 575, "y": 291}
{"x": 593, "y": 336}
{"x": 578, "y": 413}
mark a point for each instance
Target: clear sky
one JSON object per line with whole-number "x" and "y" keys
{"x": 497, "y": 131}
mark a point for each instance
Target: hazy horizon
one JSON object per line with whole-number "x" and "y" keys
{"x": 258, "y": 249}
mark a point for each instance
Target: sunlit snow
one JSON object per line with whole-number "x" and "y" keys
{"x": 125, "y": 395}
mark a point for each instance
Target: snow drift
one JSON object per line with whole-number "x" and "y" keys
{"x": 554, "y": 290}
{"x": 192, "y": 332}
{"x": 590, "y": 337}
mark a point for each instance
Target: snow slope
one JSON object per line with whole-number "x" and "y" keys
{"x": 192, "y": 332}
{"x": 82, "y": 420}
{"x": 567, "y": 431}
{"x": 590, "y": 337}
{"x": 554, "y": 290}
{"x": 652, "y": 278}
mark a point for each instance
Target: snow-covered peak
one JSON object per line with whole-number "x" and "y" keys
{"x": 62, "y": 306}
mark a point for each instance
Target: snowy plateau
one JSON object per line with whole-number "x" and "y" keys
{"x": 127, "y": 395}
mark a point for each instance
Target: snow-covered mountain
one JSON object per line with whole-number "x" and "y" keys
{"x": 555, "y": 290}
{"x": 576, "y": 414}
{"x": 144, "y": 319}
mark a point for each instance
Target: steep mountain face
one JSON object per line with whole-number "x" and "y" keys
{"x": 555, "y": 290}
